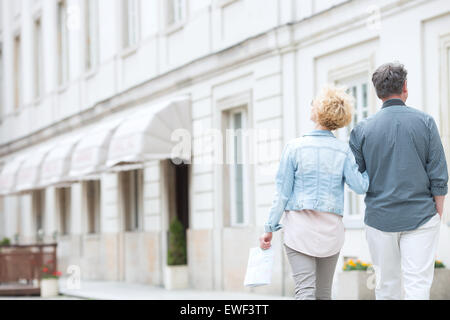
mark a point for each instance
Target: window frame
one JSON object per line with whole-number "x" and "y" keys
{"x": 38, "y": 209}
{"x": 63, "y": 38}
{"x": 64, "y": 210}
{"x": 128, "y": 22}
{"x": 132, "y": 201}
{"x": 18, "y": 59}
{"x": 91, "y": 35}
{"x": 171, "y": 23}
{"x": 444, "y": 112}
{"x": 38, "y": 49}
{"x": 231, "y": 167}
{"x": 92, "y": 211}
{"x": 2, "y": 90}
{"x": 347, "y": 76}
{"x": 354, "y": 206}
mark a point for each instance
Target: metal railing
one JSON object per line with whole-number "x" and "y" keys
{"x": 25, "y": 263}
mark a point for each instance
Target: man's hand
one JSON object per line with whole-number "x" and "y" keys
{"x": 439, "y": 200}
{"x": 264, "y": 241}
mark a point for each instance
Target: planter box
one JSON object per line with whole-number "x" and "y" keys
{"x": 49, "y": 287}
{"x": 176, "y": 277}
{"x": 354, "y": 285}
{"x": 440, "y": 290}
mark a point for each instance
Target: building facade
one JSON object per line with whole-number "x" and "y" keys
{"x": 92, "y": 92}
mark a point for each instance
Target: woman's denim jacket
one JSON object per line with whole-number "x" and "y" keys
{"x": 311, "y": 175}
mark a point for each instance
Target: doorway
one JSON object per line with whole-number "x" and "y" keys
{"x": 177, "y": 186}
{"x": 179, "y": 193}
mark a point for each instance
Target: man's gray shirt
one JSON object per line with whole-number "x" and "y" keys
{"x": 403, "y": 154}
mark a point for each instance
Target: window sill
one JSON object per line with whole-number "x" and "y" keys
{"x": 15, "y": 112}
{"x": 133, "y": 231}
{"x": 64, "y": 237}
{"x": 92, "y": 236}
{"x": 62, "y": 88}
{"x": 224, "y": 3}
{"x": 128, "y": 51}
{"x": 175, "y": 27}
{"x": 89, "y": 74}
{"x": 37, "y": 101}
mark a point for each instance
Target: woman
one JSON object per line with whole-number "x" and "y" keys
{"x": 310, "y": 191}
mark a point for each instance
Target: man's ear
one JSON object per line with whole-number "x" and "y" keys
{"x": 405, "y": 86}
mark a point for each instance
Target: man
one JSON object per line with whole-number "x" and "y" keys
{"x": 402, "y": 152}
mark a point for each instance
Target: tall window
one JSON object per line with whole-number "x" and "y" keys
{"x": 235, "y": 157}
{"x": 130, "y": 23}
{"x": 358, "y": 87}
{"x": 92, "y": 200}
{"x": 91, "y": 15}
{"x": 38, "y": 205}
{"x": 1, "y": 81}
{"x": 38, "y": 59}
{"x": 63, "y": 197}
{"x": 17, "y": 72}
{"x": 131, "y": 186}
{"x": 176, "y": 11}
{"x": 63, "y": 44}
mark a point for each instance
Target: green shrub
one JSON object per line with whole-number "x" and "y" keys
{"x": 439, "y": 264}
{"x": 5, "y": 242}
{"x": 176, "y": 254}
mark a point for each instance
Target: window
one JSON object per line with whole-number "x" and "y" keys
{"x": 17, "y": 72}
{"x": 38, "y": 204}
{"x": 130, "y": 23}
{"x": 63, "y": 197}
{"x": 91, "y": 15}
{"x": 1, "y": 82}
{"x": 92, "y": 201}
{"x": 38, "y": 59}
{"x": 16, "y": 7}
{"x": 176, "y": 11}
{"x": 132, "y": 186}
{"x": 358, "y": 87}
{"x": 235, "y": 156}
{"x": 63, "y": 44}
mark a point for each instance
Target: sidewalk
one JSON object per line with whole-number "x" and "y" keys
{"x": 109, "y": 290}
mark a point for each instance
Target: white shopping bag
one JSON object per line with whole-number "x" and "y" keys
{"x": 259, "y": 268}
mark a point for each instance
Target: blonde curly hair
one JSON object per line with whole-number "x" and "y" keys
{"x": 333, "y": 107}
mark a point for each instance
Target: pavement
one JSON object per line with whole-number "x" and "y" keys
{"x": 60, "y": 297}
{"x": 111, "y": 290}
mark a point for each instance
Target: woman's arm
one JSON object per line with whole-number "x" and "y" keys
{"x": 357, "y": 181}
{"x": 284, "y": 182}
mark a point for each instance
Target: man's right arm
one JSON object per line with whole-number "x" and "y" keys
{"x": 355, "y": 146}
{"x": 437, "y": 167}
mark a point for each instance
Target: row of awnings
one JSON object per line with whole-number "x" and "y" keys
{"x": 122, "y": 143}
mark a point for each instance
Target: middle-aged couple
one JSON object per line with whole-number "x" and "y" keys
{"x": 396, "y": 158}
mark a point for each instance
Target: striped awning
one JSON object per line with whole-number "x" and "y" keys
{"x": 151, "y": 133}
{"x": 8, "y": 176}
{"x": 90, "y": 154}
{"x": 30, "y": 170}
{"x": 56, "y": 166}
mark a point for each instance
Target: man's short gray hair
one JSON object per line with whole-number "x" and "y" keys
{"x": 389, "y": 79}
